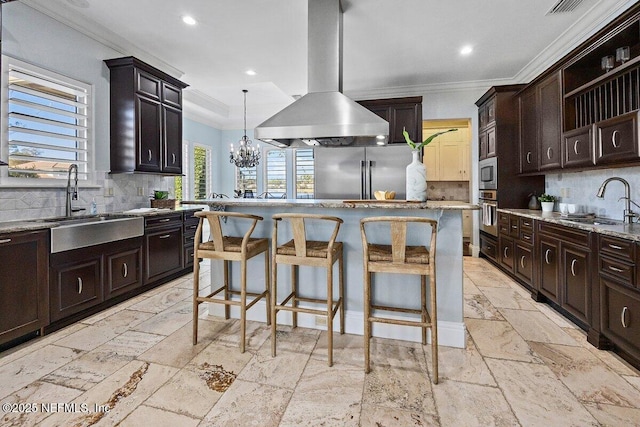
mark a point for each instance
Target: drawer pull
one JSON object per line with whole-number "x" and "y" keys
{"x": 623, "y": 316}
{"x": 529, "y": 157}
{"x": 546, "y": 256}
{"x": 526, "y": 237}
{"x": 165, "y": 236}
{"x": 549, "y": 153}
{"x": 193, "y": 227}
{"x": 5, "y": 241}
{"x": 515, "y": 227}
{"x": 164, "y": 220}
{"x": 575, "y": 146}
{"x": 522, "y": 261}
{"x": 150, "y": 155}
{"x": 125, "y": 270}
{"x": 614, "y": 139}
{"x": 504, "y": 252}
{"x": 616, "y": 247}
{"x": 526, "y": 223}
{"x": 79, "y": 285}
{"x": 573, "y": 265}
{"x": 616, "y": 269}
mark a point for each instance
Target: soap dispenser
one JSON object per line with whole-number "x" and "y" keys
{"x": 94, "y": 207}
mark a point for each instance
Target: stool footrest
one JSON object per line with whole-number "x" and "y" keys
{"x": 397, "y": 309}
{"x": 335, "y": 305}
{"x": 426, "y": 324}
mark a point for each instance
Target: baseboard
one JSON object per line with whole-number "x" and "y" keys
{"x": 450, "y": 334}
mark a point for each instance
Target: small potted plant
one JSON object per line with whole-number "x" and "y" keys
{"x": 547, "y": 201}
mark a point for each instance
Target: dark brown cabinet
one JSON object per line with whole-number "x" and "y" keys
{"x": 577, "y": 147}
{"x": 577, "y": 282}
{"x": 76, "y": 282}
{"x": 123, "y": 271}
{"x": 400, "y": 113}
{"x": 489, "y": 246}
{"x": 549, "y": 268}
{"x": 24, "y": 283}
{"x": 190, "y": 227}
{"x": 145, "y": 118}
{"x": 164, "y": 246}
{"x": 528, "y": 131}
{"x": 617, "y": 139}
{"x": 515, "y": 238}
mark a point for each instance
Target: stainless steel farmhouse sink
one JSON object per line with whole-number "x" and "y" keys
{"x": 80, "y": 232}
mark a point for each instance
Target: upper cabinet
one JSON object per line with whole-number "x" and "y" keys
{"x": 146, "y": 118}
{"x": 400, "y": 113}
{"x": 497, "y": 120}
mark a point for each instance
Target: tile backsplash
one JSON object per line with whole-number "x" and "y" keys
{"x": 129, "y": 191}
{"x": 448, "y": 190}
{"x": 581, "y": 188}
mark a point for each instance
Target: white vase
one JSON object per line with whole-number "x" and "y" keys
{"x": 547, "y": 206}
{"x": 416, "y": 179}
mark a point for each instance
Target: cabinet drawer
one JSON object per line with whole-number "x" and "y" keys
{"x": 577, "y": 147}
{"x": 618, "y": 269}
{"x": 163, "y": 221}
{"x": 76, "y": 287}
{"x": 619, "y": 248}
{"x": 148, "y": 84}
{"x": 568, "y": 234}
{"x": 526, "y": 224}
{"x": 188, "y": 255}
{"x": 165, "y": 252}
{"x": 617, "y": 139}
{"x": 488, "y": 246}
{"x": 526, "y": 236}
{"x": 123, "y": 272}
{"x": 621, "y": 315}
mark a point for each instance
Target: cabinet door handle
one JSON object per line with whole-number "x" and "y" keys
{"x": 623, "y": 316}
{"x": 5, "y": 241}
{"x": 173, "y": 158}
{"x": 528, "y": 157}
{"x": 125, "y": 270}
{"x": 504, "y": 252}
{"x": 522, "y": 261}
{"x": 619, "y": 248}
{"x": 614, "y": 139}
{"x": 165, "y": 236}
{"x": 79, "y": 285}
{"x": 546, "y": 256}
{"x": 549, "y": 153}
{"x": 165, "y": 220}
{"x": 573, "y": 265}
{"x": 575, "y": 146}
{"x": 150, "y": 155}
{"x": 616, "y": 269}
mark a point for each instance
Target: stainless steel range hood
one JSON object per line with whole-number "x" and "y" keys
{"x": 324, "y": 116}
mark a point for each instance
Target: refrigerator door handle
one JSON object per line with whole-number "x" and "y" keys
{"x": 362, "y": 179}
{"x": 370, "y": 166}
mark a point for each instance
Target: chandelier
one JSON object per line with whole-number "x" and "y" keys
{"x": 245, "y": 156}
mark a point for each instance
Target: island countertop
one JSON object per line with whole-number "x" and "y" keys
{"x": 336, "y": 204}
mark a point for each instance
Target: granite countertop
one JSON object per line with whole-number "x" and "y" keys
{"x": 47, "y": 223}
{"x": 617, "y": 229}
{"x": 338, "y": 204}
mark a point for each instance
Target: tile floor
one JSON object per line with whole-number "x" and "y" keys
{"x": 524, "y": 365}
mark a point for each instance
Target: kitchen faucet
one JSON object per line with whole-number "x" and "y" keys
{"x": 629, "y": 215}
{"x": 72, "y": 192}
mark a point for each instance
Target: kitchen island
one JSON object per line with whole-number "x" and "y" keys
{"x": 448, "y": 261}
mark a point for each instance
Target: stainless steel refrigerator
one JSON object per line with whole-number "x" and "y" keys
{"x": 349, "y": 173}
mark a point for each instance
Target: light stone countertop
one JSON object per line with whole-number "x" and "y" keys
{"x": 337, "y": 204}
{"x": 619, "y": 229}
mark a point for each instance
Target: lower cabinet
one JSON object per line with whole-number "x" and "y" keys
{"x": 76, "y": 283}
{"x": 164, "y": 246}
{"x": 24, "y": 305}
{"x": 576, "y": 292}
{"x": 124, "y": 271}
{"x": 549, "y": 284}
{"x": 620, "y": 312}
{"x": 489, "y": 246}
{"x": 523, "y": 267}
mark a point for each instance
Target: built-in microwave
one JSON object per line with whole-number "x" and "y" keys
{"x": 488, "y": 169}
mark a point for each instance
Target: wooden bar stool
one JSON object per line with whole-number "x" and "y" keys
{"x": 300, "y": 251}
{"x": 228, "y": 248}
{"x": 400, "y": 258}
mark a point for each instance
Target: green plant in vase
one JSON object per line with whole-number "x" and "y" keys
{"x": 547, "y": 201}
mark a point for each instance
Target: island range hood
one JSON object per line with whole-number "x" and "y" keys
{"x": 324, "y": 116}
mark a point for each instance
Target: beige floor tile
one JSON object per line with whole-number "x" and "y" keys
{"x": 248, "y": 403}
{"x": 586, "y": 377}
{"x": 490, "y": 277}
{"x": 167, "y": 321}
{"x": 36, "y": 395}
{"x": 497, "y": 339}
{"x": 535, "y": 326}
{"x": 257, "y": 333}
{"x": 144, "y": 415}
{"x": 537, "y": 397}
{"x": 163, "y": 300}
{"x": 614, "y": 416}
{"x": 554, "y": 316}
{"x": 347, "y": 349}
{"x": 25, "y": 370}
{"x": 633, "y": 380}
{"x": 326, "y": 396}
{"x": 507, "y": 298}
{"x": 461, "y": 364}
{"x": 476, "y": 264}
{"x": 88, "y": 338}
{"x": 123, "y": 320}
{"x": 377, "y": 416}
{"x": 113, "y": 310}
{"x": 469, "y": 287}
{"x": 462, "y": 404}
{"x": 477, "y": 306}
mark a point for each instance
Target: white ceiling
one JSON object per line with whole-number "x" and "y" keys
{"x": 391, "y": 47}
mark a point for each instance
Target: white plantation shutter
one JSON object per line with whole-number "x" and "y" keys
{"x": 304, "y": 174}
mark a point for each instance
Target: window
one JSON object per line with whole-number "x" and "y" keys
{"x": 276, "y": 174}
{"x": 196, "y": 184}
{"x": 48, "y": 119}
{"x": 304, "y": 174}
{"x": 246, "y": 179}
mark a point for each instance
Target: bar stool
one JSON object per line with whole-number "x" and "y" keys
{"x": 300, "y": 251}
{"x": 228, "y": 248}
{"x": 400, "y": 258}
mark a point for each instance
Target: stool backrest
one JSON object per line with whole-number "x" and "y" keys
{"x": 299, "y": 230}
{"x": 398, "y": 234}
{"x": 215, "y": 225}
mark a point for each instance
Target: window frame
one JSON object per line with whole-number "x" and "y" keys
{"x": 9, "y": 63}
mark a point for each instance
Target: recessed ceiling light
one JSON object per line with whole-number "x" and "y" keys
{"x": 466, "y": 50}
{"x": 189, "y": 20}
{"x": 251, "y": 72}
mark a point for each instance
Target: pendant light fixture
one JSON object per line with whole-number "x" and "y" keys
{"x": 245, "y": 156}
